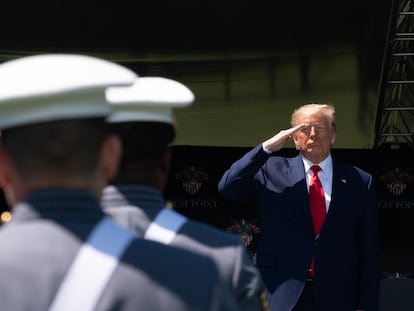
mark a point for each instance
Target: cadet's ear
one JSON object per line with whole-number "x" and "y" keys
{"x": 110, "y": 156}
{"x": 4, "y": 167}
{"x": 166, "y": 162}
{"x": 6, "y": 173}
{"x": 164, "y": 170}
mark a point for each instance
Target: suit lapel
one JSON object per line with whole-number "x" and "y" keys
{"x": 300, "y": 213}
{"x": 295, "y": 174}
{"x": 339, "y": 183}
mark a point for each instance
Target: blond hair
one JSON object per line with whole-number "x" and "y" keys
{"x": 325, "y": 110}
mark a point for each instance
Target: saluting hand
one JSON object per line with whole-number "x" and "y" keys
{"x": 276, "y": 142}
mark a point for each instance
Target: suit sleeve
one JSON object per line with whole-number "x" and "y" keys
{"x": 237, "y": 183}
{"x": 369, "y": 266}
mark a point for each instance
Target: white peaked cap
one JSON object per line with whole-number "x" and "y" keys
{"x": 150, "y": 99}
{"x": 51, "y": 87}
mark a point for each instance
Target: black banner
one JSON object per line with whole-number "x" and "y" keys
{"x": 196, "y": 170}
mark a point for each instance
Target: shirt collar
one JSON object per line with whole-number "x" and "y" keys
{"x": 325, "y": 165}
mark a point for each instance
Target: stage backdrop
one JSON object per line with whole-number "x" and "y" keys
{"x": 196, "y": 170}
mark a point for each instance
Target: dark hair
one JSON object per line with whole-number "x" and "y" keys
{"x": 144, "y": 144}
{"x": 60, "y": 147}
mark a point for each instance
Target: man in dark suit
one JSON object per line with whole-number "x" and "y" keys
{"x": 322, "y": 261}
{"x": 142, "y": 116}
{"x": 60, "y": 252}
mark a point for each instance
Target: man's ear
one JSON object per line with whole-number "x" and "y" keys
{"x": 294, "y": 138}
{"x": 111, "y": 152}
{"x": 333, "y": 138}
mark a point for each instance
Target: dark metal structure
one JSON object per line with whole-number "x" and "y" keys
{"x": 394, "y": 125}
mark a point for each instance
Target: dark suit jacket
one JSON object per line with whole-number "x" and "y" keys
{"x": 347, "y": 249}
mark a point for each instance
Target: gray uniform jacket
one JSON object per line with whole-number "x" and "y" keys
{"x": 136, "y": 206}
{"x": 47, "y": 230}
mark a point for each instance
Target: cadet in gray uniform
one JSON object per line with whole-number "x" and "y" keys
{"x": 59, "y": 252}
{"x": 142, "y": 116}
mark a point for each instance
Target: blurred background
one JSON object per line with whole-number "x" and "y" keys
{"x": 249, "y": 63}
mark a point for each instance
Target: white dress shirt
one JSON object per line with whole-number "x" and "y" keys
{"x": 325, "y": 176}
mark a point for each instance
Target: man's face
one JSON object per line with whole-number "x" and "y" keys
{"x": 316, "y": 138}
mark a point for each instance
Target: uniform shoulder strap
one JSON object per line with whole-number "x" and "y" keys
{"x": 92, "y": 268}
{"x": 165, "y": 226}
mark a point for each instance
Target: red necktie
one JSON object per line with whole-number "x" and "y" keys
{"x": 317, "y": 204}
